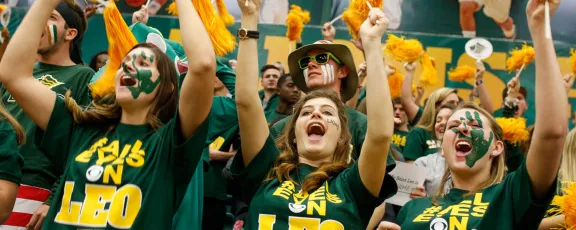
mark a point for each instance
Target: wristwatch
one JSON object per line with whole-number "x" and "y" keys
{"x": 245, "y": 34}
{"x": 479, "y": 82}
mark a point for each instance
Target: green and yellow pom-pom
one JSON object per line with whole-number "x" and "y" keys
{"x": 514, "y": 129}
{"x": 520, "y": 57}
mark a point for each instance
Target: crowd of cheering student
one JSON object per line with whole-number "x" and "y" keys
{"x": 172, "y": 149}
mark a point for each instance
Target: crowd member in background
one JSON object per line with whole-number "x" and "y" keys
{"x": 566, "y": 177}
{"x": 474, "y": 150}
{"x": 12, "y": 135}
{"x": 435, "y": 163}
{"x": 281, "y": 67}
{"x": 147, "y": 119}
{"x": 401, "y": 129}
{"x": 288, "y": 95}
{"x": 99, "y": 60}
{"x": 514, "y": 103}
{"x": 269, "y": 93}
{"x": 314, "y": 150}
{"x": 498, "y": 10}
{"x": 59, "y": 68}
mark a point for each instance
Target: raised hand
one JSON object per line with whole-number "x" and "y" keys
{"x": 410, "y": 67}
{"x": 535, "y": 11}
{"x": 568, "y": 82}
{"x": 513, "y": 87}
{"x": 328, "y": 31}
{"x": 362, "y": 70}
{"x": 250, "y": 7}
{"x": 385, "y": 225}
{"x": 141, "y": 15}
{"x": 358, "y": 43}
{"x": 90, "y": 10}
{"x": 480, "y": 69}
{"x": 374, "y": 27}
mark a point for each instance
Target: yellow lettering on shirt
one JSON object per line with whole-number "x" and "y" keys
{"x": 460, "y": 210}
{"x": 319, "y": 207}
{"x": 318, "y": 194}
{"x": 85, "y": 156}
{"x": 333, "y": 198}
{"x": 116, "y": 175}
{"x": 124, "y": 206}
{"x": 217, "y": 144}
{"x": 455, "y": 224}
{"x": 479, "y": 211}
{"x": 111, "y": 148}
{"x": 303, "y": 223}
{"x": 427, "y": 215}
{"x": 49, "y": 81}
{"x": 478, "y": 200}
{"x": 331, "y": 225}
{"x": 285, "y": 190}
{"x": 399, "y": 140}
{"x": 266, "y": 222}
{"x": 125, "y": 151}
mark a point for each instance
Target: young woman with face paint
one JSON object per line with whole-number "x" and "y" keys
{"x": 305, "y": 179}
{"x": 128, "y": 161}
{"x": 482, "y": 197}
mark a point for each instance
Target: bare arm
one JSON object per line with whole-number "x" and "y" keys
{"x": 16, "y": 67}
{"x": 550, "y": 127}
{"x": 483, "y": 89}
{"x": 8, "y": 192}
{"x": 197, "y": 88}
{"x": 377, "y": 216}
{"x": 380, "y": 124}
{"x": 217, "y": 155}
{"x": 410, "y": 107}
{"x": 253, "y": 127}
{"x": 555, "y": 222}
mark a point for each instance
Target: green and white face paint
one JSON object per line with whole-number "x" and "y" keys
{"x": 328, "y": 72}
{"x": 480, "y": 145}
{"x": 144, "y": 77}
{"x": 53, "y": 34}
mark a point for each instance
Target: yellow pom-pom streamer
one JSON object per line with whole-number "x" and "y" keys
{"x": 573, "y": 59}
{"x": 462, "y": 73}
{"x": 120, "y": 41}
{"x": 295, "y": 22}
{"x": 357, "y": 13}
{"x": 403, "y": 50}
{"x": 429, "y": 75}
{"x": 520, "y": 57}
{"x": 514, "y": 129}
{"x": 566, "y": 204}
{"x": 222, "y": 40}
{"x": 226, "y": 17}
{"x": 395, "y": 81}
{"x": 414, "y": 89}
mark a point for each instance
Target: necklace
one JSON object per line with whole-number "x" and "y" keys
{"x": 297, "y": 206}
{"x": 299, "y": 179}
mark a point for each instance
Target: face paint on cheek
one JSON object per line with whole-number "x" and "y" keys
{"x": 324, "y": 73}
{"x": 53, "y": 34}
{"x": 333, "y": 122}
{"x": 330, "y": 69}
{"x": 480, "y": 146}
{"x": 144, "y": 76}
{"x": 306, "y": 75}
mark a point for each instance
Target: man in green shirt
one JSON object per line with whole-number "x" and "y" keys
{"x": 59, "y": 68}
{"x": 288, "y": 94}
{"x": 269, "y": 81}
{"x": 400, "y": 128}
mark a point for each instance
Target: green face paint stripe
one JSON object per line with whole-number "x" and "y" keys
{"x": 462, "y": 119}
{"x": 143, "y": 55}
{"x": 480, "y": 146}
{"x": 478, "y": 119}
{"x": 144, "y": 76}
{"x": 152, "y": 58}
{"x": 469, "y": 116}
{"x": 455, "y": 130}
{"x": 53, "y": 34}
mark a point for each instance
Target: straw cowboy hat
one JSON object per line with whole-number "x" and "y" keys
{"x": 349, "y": 83}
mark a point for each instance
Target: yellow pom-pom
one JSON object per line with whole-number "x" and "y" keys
{"x": 403, "y": 50}
{"x": 226, "y": 17}
{"x": 414, "y": 89}
{"x": 295, "y": 22}
{"x": 222, "y": 40}
{"x": 429, "y": 75}
{"x": 395, "y": 81}
{"x": 573, "y": 59}
{"x": 120, "y": 41}
{"x": 514, "y": 129}
{"x": 462, "y": 73}
{"x": 566, "y": 204}
{"x": 520, "y": 57}
{"x": 2, "y": 7}
{"x": 357, "y": 13}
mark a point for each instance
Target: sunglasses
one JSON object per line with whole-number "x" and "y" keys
{"x": 320, "y": 59}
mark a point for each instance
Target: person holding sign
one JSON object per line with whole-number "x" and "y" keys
{"x": 482, "y": 196}
{"x": 306, "y": 179}
{"x": 129, "y": 156}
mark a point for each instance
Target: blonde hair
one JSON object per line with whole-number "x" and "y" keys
{"x": 426, "y": 121}
{"x": 287, "y": 161}
{"x": 498, "y": 166}
{"x": 5, "y": 115}
{"x": 567, "y": 171}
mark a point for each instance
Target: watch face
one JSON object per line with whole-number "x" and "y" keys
{"x": 242, "y": 33}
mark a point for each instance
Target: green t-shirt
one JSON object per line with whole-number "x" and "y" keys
{"x": 508, "y": 205}
{"x": 342, "y": 202}
{"x": 271, "y": 104}
{"x": 416, "y": 119}
{"x": 10, "y": 160}
{"x": 356, "y": 125}
{"x": 130, "y": 176}
{"x": 274, "y": 116}
{"x": 421, "y": 143}
{"x": 399, "y": 139}
{"x": 39, "y": 170}
{"x": 187, "y": 216}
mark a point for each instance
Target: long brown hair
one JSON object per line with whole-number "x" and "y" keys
{"x": 287, "y": 161}
{"x": 5, "y": 115}
{"x": 498, "y": 167}
{"x": 107, "y": 112}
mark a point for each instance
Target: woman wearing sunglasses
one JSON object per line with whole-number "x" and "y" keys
{"x": 482, "y": 195}
{"x": 129, "y": 156}
{"x": 306, "y": 179}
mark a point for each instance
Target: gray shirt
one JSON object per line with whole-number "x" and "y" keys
{"x": 436, "y": 165}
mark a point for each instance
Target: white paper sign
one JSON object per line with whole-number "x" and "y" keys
{"x": 479, "y": 48}
{"x": 408, "y": 177}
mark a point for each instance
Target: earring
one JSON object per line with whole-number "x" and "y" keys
{"x": 294, "y": 141}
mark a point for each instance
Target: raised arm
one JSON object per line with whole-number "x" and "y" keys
{"x": 551, "y": 103}
{"x": 253, "y": 126}
{"x": 198, "y": 85}
{"x": 380, "y": 126}
{"x": 485, "y": 101}
{"x": 17, "y": 64}
{"x": 410, "y": 107}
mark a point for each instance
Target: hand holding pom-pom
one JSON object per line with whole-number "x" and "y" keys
{"x": 374, "y": 27}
